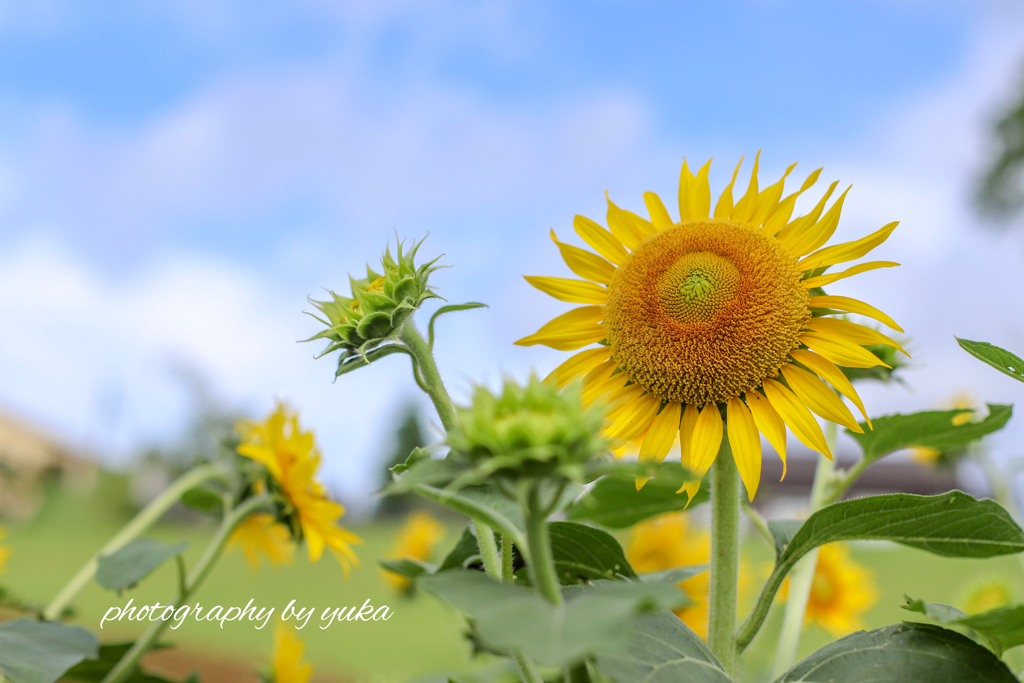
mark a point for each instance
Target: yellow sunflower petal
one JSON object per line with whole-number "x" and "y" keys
{"x": 633, "y": 416}
{"x": 848, "y": 251}
{"x": 641, "y": 223}
{"x": 845, "y": 303}
{"x": 600, "y": 380}
{"x": 791, "y": 233}
{"x": 569, "y": 331}
{"x": 723, "y": 209}
{"x": 829, "y": 278}
{"x": 659, "y": 214}
{"x": 813, "y": 236}
{"x": 706, "y": 440}
{"x": 768, "y": 199}
{"x": 660, "y": 435}
{"x": 603, "y": 242}
{"x": 840, "y": 351}
{"x": 745, "y": 443}
{"x": 686, "y": 426}
{"x": 796, "y": 416}
{"x": 578, "y": 365}
{"x": 831, "y": 374}
{"x": 624, "y": 229}
{"x": 745, "y": 206}
{"x": 817, "y": 396}
{"x": 853, "y": 332}
{"x": 694, "y": 193}
{"x": 572, "y": 291}
{"x": 782, "y": 214}
{"x": 768, "y": 423}
{"x": 580, "y": 261}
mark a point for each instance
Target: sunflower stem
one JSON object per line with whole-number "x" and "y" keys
{"x": 542, "y": 563}
{"x": 139, "y": 524}
{"x": 802, "y": 577}
{"x": 432, "y": 383}
{"x": 725, "y": 558}
{"x": 126, "y": 665}
{"x": 488, "y": 549}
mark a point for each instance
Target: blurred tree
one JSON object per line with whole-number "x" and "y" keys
{"x": 408, "y": 436}
{"x": 1001, "y": 193}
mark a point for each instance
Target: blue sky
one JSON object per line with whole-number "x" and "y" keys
{"x": 176, "y": 178}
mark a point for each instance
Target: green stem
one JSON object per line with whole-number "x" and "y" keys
{"x": 488, "y": 549}
{"x": 725, "y": 558}
{"x": 527, "y": 669}
{"x": 506, "y": 559}
{"x": 123, "y": 669}
{"x": 139, "y": 524}
{"x": 759, "y": 522}
{"x": 802, "y": 577}
{"x": 542, "y": 564}
{"x": 432, "y": 383}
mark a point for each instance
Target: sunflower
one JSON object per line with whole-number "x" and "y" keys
{"x": 260, "y": 534}
{"x": 416, "y": 541}
{"x": 291, "y": 457}
{"x": 287, "y": 666}
{"x": 988, "y": 594}
{"x": 716, "y": 323}
{"x": 841, "y": 591}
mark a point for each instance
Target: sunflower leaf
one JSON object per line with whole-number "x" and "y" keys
{"x": 1002, "y": 628}
{"x": 595, "y": 618}
{"x": 615, "y": 503}
{"x": 449, "y": 309}
{"x": 583, "y": 553}
{"x": 1001, "y": 359}
{"x": 782, "y": 531}
{"x": 930, "y": 428}
{"x": 133, "y": 562}
{"x": 407, "y": 567}
{"x": 40, "y": 651}
{"x": 662, "y": 649}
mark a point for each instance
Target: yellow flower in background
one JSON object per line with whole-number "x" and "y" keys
{"x": 961, "y": 399}
{"x": 416, "y": 541}
{"x": 260, "y": 534}
{"x": 667, "y": 542}
{"x": 701, "y": 316}
{"x": 292, "y": 458}
{"x": 990, "y": 594}
{"x": 841, "y": 592}
{"x": 5, "y": 552}
{"x": 287, "y": 665}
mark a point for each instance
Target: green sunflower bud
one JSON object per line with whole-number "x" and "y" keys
{"x": 531, "y": 430}
{"x": 379, "y": 306}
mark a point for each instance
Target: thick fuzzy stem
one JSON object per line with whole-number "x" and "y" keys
{"x": 725, "y": 558}
{"x": 542, "y": 563}
{"x": 430, "y": 376}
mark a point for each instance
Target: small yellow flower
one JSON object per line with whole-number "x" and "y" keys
{"x": 5, "y": 552}
{"x": 288, "y": 667}
{"x": 416, "y": 541}
{"x": 667, "y": 542}
{"x": 987, "y": 595}
{"x": 260, "y": 534}
{"x": 292, "y": 459}
{"x": 841, "y": 592}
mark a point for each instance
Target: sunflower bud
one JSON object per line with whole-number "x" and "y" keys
{"x": 379, "y": 306}
{"x": 531, "y": 430}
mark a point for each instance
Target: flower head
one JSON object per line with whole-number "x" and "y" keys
{"x": 841, "y": 592}
{"x": 988, "y": 594}
{"x": 715, "y": 315}
{"x": 287, "y": 666}
{"x": 416, "y": 541}
{"x": 379, "y": 306}
{"x": 532, "y": 429}
{"x": 291, "y": 458}
{"x": 261, "y": 534}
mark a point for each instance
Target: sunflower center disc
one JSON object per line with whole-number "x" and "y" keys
{"x": 704, "y": 311}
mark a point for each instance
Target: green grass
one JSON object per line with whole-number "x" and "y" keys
{"x": 423, "y": 637}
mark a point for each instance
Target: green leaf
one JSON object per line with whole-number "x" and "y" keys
{"x": 40, "y": 651}
{"x": 347, "y": 364}
{"x": 676, "y": 575}
{"x": 783, "y": 531}
{"x": 509, "y": 617}
{"x": 480, "y": 502}
{"x": 583, "y": 553}
{"x": 95, "y": 670}
{"x": 615, "y": 503}
{"x": 409, "y": 568}
{"x": 464, "y": 553}
{"x": 662, "y": 649}
{"x": 414, "y": 457}
{"x": 1002, "y": 628}
{"x": 901, "y": 653}
{"x": 931, "y": 429}
{"x": 126, "y": 567}
{"x": 952, "y": 524}
{"x": 1001, "y": 359}
{"x": 203, "y": 499}
{"x": 448, "y": 309}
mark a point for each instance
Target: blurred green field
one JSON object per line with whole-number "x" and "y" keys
{"x": 423, "y": 637}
